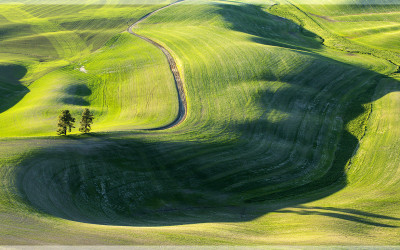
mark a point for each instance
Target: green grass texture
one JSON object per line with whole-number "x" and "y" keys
{"x": 290, "y": 136}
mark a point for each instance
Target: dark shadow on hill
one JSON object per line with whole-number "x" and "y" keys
{"x": 11, "y": 89}
{"x": 268, "y": 29}
{"x": 107, "y": 180}
{"x": 274, "y": 164}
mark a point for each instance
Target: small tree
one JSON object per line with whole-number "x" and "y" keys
{"x": 65, "y": 120}
{"x": 86, "y": 121}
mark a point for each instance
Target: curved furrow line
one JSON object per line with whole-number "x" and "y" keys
{"x": 182, "y": 111}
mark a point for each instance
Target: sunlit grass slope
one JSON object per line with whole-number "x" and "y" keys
{"x": 373, "y": 24}
{"x": 286, "y": 141}
{"x": 124, "y": 90}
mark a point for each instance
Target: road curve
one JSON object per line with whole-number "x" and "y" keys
{"x": 175, "y": 72}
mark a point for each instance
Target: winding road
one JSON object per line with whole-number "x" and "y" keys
{"x": 182, "y": 112}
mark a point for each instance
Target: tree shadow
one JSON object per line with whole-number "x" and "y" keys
{"x": 11, "y": 89}
{"x": 77, "y": 93}
{"x": 74, "y": 100}
{"x": 274, "y": 164}
{"x": 78, "y": 90}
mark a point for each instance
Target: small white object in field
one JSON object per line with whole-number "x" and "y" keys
{"x": 82, "y": 69}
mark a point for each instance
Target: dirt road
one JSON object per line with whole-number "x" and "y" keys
{"x": 172, "y": 64}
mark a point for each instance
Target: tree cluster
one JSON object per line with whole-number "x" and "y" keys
{"x": 66, "y": 122}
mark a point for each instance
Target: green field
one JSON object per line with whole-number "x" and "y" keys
{"x": 290, "y": 136}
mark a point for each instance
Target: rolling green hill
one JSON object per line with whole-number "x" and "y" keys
{"x": 290, "y": 135}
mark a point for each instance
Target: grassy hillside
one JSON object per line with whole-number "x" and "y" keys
{"x": 375, "y": 25}
{"x": 290, "y": 136}
{"x": 113, "y": 84}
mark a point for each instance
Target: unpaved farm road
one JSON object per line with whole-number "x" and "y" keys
{"x": 172, "y": 64}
